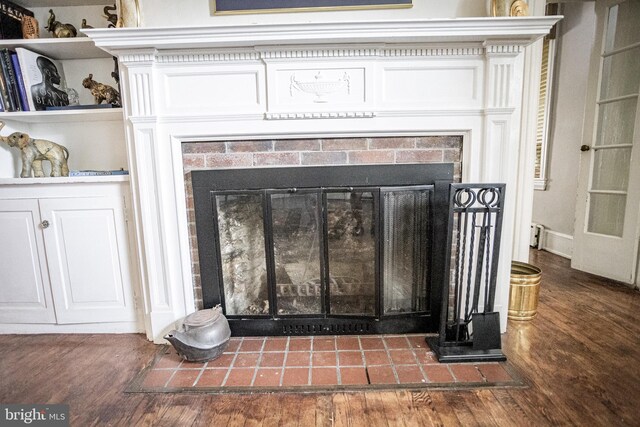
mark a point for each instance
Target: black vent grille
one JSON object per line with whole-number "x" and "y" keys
{"x": 330, "y": 329}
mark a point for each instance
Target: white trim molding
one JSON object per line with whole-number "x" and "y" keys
{"x": 414, "y": 77}
{"x": 557, "y": 243}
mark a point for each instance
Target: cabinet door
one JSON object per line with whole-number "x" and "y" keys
{"x": 25, "y": 295}
{"x": 87, "y": 249}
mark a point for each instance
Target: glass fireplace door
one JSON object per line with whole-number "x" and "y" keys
{"x": 352, "y": 251}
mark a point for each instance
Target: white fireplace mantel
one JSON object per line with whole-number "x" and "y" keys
{"x": 416, "y": 77}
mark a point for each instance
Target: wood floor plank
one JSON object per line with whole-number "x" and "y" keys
{"x": 579, "y": 357}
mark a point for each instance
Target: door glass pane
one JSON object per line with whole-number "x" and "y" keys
{"x": 405, "y": 259}
{"x": 615, "y": 122}
{"x": 621, "y": 74}
{"x": 623, "y": 25}
{"x": 611, "y": 169}
{"x": 606, "y": 214}
{"x": 352, "y": 252}
{"x": 242, "y": 253}
{"x": 296, "y": 246}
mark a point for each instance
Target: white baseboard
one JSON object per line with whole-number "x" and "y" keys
{"x": 84, "y": 328}
{"x": 558, "y": 243}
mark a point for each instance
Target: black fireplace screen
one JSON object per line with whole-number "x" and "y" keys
{"x": 345, "y": 249}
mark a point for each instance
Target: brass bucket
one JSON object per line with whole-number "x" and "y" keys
{"x": 524, "y": 291}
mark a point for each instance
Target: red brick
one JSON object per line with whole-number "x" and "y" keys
{"x": 184, "y": 378}
{"x": 275, "y": 344}
{"x": 212, "y": 378}
{"x": 203, "y": 147}
{"x": 381, "y": 375}
{"x": 366, "y": 157}
{"x": 323, "y": 358}
{"x": 193, "y": 161}
{"x": 437, "y": 373}
{"x": 417, "y": 341}
{"x": 340, "y": 144}
{"x": 299, "y": 344}
{"x": 228, "y": 160}
{"x": 246, "y": 360}
{"x": 240, "y": 377}
{"x": 276, "y": 159}
{"x": 267, "y": 377}
{"x": 466, "y": 373}
{"x": 376, "y": 357}
{"x": 353, "y": 376}
{"x": 410, "y": 374}
{"x": 397, "y": 342}
{"x": 272, "y": 360}
{"x": 371, "y": 343}
{"x": 249, "y": 146}
{"x": 233, "y": 346}
{"x": 223, "y": 361}
{"x": 298, "y": 358}
{"x": 348, "y": 343}
{"x": 324, "y": 158}
{"x": 324, "y": 376}
{"x": 297, "y": 145}
{"x": 392, "y": 143}
{"x": 425, "y": 357}
{"x": 450, "y": 156}
{"x": 494, "y": 372}
{"x": 350, "y": 358}
{"x": 324, "y": 344}
{"x": 171, "y": 360}
{"x": 295, "y": 376}
{"x": 402, "y": 357}
{"x": 250, "y": 345}
{"x": 419, "y": 156}
{"x": 452, "y": 141}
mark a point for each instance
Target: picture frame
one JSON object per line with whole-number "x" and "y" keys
{"x": 239, "y": 7}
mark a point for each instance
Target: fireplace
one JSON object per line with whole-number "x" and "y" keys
{"x": 226, "y": 84}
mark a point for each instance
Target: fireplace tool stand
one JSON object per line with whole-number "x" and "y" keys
{"x": 469, "y": 326}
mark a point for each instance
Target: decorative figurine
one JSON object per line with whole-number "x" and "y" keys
{"x": 58, "y": 29}
{"x": 102, "y": 92}
{"x": 84, "y": 24}
{"x": 34, "y": 151}
{"x": 74, "y": 98}
{"x": 116, "y": 72}
{"x": 111, "y": 17}
{"x": 30, "y": 27}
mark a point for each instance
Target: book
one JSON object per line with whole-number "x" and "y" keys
{"x": 44, "y": 80}
{"x": 98, "y": 172}
{"x": 21, "y": 90}
{"x": 4, "y": 95}
{"x": 81, "y": 107}
{"x": 11, "y": 19}
{"x": 10, "y": 79}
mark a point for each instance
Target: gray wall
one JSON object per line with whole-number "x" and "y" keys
{"x": 555, "y": 207}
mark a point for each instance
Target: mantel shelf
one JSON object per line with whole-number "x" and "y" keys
{"x": 522, "y": 30}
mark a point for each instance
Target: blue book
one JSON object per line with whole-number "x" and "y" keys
{"x": 21, "y": 90}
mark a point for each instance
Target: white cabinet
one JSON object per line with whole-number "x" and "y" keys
{"x": 65, "y": 256}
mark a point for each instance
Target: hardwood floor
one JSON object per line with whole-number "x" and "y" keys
{"x": 581, "y": 356}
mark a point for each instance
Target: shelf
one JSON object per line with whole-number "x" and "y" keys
{"x": 65, "y": 180}
{"x": 65, "y": 116}
{"x": 73, "y": 48}
{"x": 60, "y": 3}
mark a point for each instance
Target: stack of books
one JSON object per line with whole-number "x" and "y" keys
{"x": 30, "y": 81}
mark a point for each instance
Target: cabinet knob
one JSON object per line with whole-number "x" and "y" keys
{"x": 44, "y": 224}
{"x": 585, "y": 148}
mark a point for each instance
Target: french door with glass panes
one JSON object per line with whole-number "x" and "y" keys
{"x": 607, "y": 218}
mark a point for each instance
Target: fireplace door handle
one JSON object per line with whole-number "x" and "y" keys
{"x": 293, "y": 190}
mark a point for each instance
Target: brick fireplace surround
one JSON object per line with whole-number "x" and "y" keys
{"x": 361, "y": 92}
{"x": 309, "y": 152}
